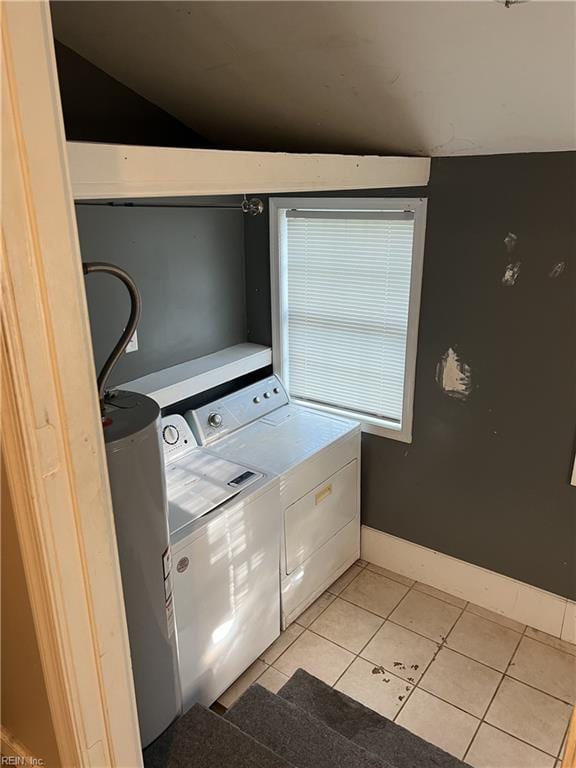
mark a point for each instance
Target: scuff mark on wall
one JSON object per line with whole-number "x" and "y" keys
{"x": 454, "y": 375}
{"x": 510, "y": 241}
{"x": 511, "y": 273}
{"x": 557, "y": 269}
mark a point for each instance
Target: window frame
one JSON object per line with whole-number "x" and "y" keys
{"x": 417, "y": 205}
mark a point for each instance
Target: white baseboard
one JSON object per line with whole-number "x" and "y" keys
{"x": 527, "y": 604}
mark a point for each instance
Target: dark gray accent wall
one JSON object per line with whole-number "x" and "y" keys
{"x": 486, "y": 479}
{"x": 189, "y": 266}
{"x": 96, "y": 107}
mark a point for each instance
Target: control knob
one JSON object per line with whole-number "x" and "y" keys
{"x": 215, "y": 419}
{"x": 170, "y": 434}
{"x": 267, "y": 395}
{"x": 256, "y": 399}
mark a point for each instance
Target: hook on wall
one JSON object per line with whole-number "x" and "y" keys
{"x": 510, "y": 3}
{"x": 254, "y": 206}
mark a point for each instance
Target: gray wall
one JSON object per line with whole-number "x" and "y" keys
{"x": 189, "y": 266}
{"x": 486, "y": 479}
{"x": 96, "y": 107}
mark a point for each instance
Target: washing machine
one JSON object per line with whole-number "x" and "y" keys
{"x": 317, "y": 458}
{"x": 224, "y": 520}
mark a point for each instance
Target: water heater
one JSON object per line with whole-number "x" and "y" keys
{"x": 136, "y": 470}
{"x": 131, "y": 425}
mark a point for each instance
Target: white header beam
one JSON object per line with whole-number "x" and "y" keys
{"x": 116, "y": 171}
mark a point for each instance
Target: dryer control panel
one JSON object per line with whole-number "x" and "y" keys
{"x": 223, "y": 416}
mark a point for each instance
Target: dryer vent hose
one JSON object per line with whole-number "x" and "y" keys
{"x": 132, "y": 324}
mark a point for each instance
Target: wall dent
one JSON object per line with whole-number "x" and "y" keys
{"x": 511, "y": 273}
{"x": 510, "y": 241}
{"x": 454, "y": 376}
{"x": 557, "y": 269}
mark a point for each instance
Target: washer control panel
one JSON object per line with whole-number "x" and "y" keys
{"x": 223, "y": 416}
{"x": 177, "y": 437}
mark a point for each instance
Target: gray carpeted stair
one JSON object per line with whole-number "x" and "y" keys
{"x": 306, "y": 725}
{"x": 363, "y": 726}
{"x": 298, "y": 737}
{"x": 202, "y": 739}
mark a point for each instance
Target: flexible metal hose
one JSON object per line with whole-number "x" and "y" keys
{"x": 131, "y": 325}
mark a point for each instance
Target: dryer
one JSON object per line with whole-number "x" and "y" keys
{"x": 317, "y": 457}
{"x": 224, "y": 521}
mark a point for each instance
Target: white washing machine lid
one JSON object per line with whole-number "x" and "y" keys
{"x": 283, "y": 439}
{"x": 199, "y": 482}
{"x": 196, "y": 482}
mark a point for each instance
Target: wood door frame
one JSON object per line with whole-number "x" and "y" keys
{"x": 52, "y": 442}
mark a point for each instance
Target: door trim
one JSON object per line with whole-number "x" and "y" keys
{"x": 52, "y": 442}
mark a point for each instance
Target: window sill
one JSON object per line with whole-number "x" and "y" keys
{"x": 371, "y": 426}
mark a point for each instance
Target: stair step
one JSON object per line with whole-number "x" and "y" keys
{"x": 203, "y": 739}
{"x": 295, "y": 735}
{"x": 363, "y": 726}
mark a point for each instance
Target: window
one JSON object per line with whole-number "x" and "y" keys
{"x": 346, "y": 277}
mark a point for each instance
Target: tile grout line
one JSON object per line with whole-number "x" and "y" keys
{"x": 426, "y": 637}
{"x": 563, "y": 742}
{"x": 498, "y": 687}
{"x": 486, "y": 618}
{"x": 363, "y": 566}
{"x": 385, "y": 619}
{"x": 409, "y": 589}
{"x": 440, "y": 698}
{"x": 484, "y": 722}
{"x": 461, "y": 653}
{"x": 517, "y": 738}
{"x": 441, "y": 645}
{"x": 417, "y": 685}
{"x": 564, "y": 618}
{"x": 357, "y": 655}
{"x": 547, "y": 645}
{"x": 462, "y": 611}
{"x": 438, "y": 649}
{"x": 503, "y": 676}
{"x": 307, "y": 629}
{"x": 412, "y": 587}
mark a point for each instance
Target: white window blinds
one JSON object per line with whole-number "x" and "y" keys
{"x": 347, "y": 297}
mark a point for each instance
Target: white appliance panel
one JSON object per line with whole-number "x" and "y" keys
{"x": 307, "y": 475}
{"x": 197, "y": 482}
{"x": 309, "y": 580}
{"x": 213, "y": 421}
{"x": 314, "y": 519}
{"x": 283, "y": 440}
{"x": 227, "y": 595}
{"x": 177, "y": 437}
{"x": 306, "y": 449}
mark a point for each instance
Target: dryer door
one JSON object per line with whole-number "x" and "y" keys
{"x": 320, "y": 514}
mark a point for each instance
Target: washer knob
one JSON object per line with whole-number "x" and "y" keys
{"x": 215, "y": 419}
{"x": 256, "y": 399}
{"x": 267, "y": 395}
{"x": 170, "y": 434}
{"x": 276, "y": 391}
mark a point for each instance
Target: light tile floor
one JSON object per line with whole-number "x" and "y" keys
{"x": 483, "y": 687}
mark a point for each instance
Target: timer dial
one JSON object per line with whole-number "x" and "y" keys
{"x": 170, "y": 434}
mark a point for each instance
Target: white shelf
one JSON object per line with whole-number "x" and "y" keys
{"x": 116, "y": 171}
{"x": 186, "y": 379}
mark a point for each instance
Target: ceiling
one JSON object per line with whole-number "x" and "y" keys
{"x": 416, "y": 78}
